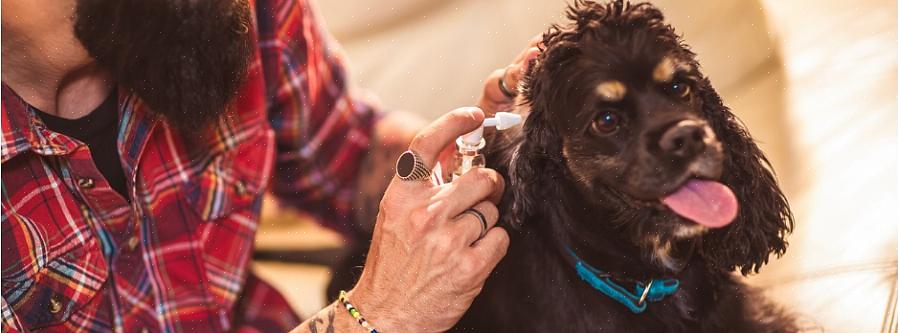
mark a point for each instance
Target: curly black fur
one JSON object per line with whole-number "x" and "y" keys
{"x": 570, "y": 189}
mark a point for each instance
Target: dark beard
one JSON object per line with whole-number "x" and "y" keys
{"x": 184, "y": 58}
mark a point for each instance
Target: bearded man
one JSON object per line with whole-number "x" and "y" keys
{"x": 139, "y": 138}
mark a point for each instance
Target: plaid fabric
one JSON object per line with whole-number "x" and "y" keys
{"x": 76, "y": 256}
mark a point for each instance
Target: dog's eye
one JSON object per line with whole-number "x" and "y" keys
{"x": 606, "y": 123}
{"x": 679, "y": 89}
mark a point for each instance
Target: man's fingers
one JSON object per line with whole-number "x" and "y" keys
{"x": 474, "y": 186}
{"x": 468, "y": 226}
{"x": 511, "y": 74}
{"x": 491, "y": 93}
{"x": 535, "y": 40}
{"x": 531, "y": 54}
{"x": 493, "y": 99}
{"x": 490, "y": 249}
{"x": 443, "y": 132}
{"x": 514, "y": 72}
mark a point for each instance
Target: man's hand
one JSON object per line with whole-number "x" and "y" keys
{"x": 492, "y": 99}
{"x": 392, "y": 135}
{"x": 426, "y": 264}
{"x": 396, "y": 129}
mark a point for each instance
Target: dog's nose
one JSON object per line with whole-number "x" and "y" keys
{"x": 686, "y": 138}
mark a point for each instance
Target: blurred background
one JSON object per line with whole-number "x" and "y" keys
{"x": 816, "y": 83}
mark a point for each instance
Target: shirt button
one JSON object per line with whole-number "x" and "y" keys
{"x": 86, "y": 183}
{"x": 240, "y": 188}
{"x": 133, "y": 242}
{"x": 55, "y": 305}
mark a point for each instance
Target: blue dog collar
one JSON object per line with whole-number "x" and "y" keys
{"x": 637, "y": 300}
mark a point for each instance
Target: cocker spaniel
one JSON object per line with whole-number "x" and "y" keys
{"x": 634, "y": 194}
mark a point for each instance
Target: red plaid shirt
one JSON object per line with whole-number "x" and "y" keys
{"x": 77, "y": 256}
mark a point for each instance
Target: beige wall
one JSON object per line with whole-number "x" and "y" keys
{"x": 841, "y": 62}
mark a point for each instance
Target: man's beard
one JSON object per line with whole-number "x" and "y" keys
{"x": 184, "y": 58}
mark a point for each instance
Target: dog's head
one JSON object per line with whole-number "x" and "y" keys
{"x": 620, "y": 110}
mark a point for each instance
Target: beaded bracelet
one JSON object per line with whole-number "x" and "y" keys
{"x": 355, "y": 313}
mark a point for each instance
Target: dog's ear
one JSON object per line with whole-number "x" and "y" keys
{"x": 533, "y": 166}
{"x": 537, "y": 159}
{"x": 764, "y": 215}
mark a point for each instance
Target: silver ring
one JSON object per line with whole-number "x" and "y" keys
{"x": 504, "y": 88}
{"x": 480, "y": 217}
{"x": 410, "y": 166}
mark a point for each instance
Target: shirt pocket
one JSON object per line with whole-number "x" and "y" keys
{"x": 226, "y": 196}
{"x": 48, "y": 277}
{"x": 235, "y": 178}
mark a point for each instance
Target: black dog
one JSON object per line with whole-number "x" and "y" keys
{"x": 634, "y": 193}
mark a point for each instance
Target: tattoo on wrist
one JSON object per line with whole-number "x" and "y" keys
{"x": 326, "y": 325}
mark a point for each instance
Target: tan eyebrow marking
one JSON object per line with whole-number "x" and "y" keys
{"x": 666, "y": 68}
{"x": 611, "y": 91}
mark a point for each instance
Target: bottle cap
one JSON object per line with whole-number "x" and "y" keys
{"x": 502, "y": 121}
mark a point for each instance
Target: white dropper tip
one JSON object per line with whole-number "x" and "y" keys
{"x": 502, "y": 121}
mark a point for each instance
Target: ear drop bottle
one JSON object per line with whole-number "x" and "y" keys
{"x": 468, "y": 155}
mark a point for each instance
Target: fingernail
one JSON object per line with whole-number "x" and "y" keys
{"x": 533, "y": 53}
{"x": 473, "y": 111}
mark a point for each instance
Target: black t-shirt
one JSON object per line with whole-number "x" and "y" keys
{"x": 99, "y": 130}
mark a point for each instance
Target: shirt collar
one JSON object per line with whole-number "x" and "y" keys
{"x": 23, "y": 130}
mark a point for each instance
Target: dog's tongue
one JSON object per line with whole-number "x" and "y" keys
{"x": 708, "y": 203}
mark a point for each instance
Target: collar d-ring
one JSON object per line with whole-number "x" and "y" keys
{"x": 645, "y": 292}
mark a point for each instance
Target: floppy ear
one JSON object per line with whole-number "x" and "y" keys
{"x": 764, "y": 215}
{"x": 533, "y": 167}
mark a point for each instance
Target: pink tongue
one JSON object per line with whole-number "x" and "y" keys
{"x": 708, "y": 203}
